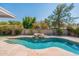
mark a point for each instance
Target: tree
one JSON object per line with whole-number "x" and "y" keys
{"x": 28, "y": 22}
{"x": 61, "y": 15}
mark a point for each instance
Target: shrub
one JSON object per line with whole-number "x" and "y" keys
{"x": 44, "y": 26}
{"x": 77, "y": 31}
{"x": 71, "y": 31}
{"x": 36, "y": 26}
{"x": 59, "y": 31}
{"x": 7, "y": 29}
{"x": 18, "y": 31}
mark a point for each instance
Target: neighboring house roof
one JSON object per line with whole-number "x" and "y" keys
{"x": 6, "y": 14}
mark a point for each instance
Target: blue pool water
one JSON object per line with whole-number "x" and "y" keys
{"x": 46, "y": 43}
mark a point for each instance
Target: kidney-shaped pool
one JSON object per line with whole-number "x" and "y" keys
{"x": 46, "y": 43}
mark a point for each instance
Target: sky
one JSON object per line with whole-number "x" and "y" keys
{"x": 38, "y": 10}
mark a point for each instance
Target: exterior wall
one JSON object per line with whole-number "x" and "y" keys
{"x": 47, "y": 32}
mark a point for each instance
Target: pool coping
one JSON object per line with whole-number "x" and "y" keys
{"x": 76, "y": 39}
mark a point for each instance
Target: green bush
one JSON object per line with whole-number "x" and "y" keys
{"x": 71, "y": 31}
{"x": 77, "y": 31}
{"x": 18, "y": 31}
{"x": 59, "y": 31}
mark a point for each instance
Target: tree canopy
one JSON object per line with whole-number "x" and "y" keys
{"x": 62, "y": 15}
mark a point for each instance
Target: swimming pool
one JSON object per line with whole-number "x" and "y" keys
{"x": 46, "y": 43}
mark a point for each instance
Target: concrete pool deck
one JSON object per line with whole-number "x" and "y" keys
{"x": 19, "y": 50}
